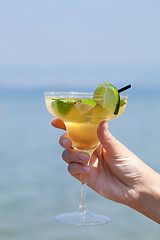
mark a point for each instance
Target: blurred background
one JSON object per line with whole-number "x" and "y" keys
{"x": 72, "y": 46}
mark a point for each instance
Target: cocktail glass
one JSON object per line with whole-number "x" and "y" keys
{"x": 81, "y": 113}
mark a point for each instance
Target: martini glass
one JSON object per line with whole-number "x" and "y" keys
{"x": 81, "y": 113}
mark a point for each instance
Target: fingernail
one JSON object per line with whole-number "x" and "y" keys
{"x": 105, "y": 126}
{"x": 84, "y": 157}
{"x": 65, "y": 142}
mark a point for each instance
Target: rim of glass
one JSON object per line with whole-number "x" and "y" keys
{"x": 74, "y": 94}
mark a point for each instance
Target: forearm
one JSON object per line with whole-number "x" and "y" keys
{"x": 148, "y": 202}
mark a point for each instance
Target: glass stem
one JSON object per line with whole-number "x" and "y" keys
{"x": 82, "y": 205}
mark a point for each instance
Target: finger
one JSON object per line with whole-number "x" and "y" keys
{"x": 65, "y": 142}
{"x": 110, "y": 144}
{"x": 77, "y": 170}
{"x": 73, "y": 156}
{"x": 58, "y": 123}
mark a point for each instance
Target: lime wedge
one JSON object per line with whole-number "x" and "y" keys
{"x": 108, "y": 97}
{"x": 85, "y": 105}
{"x": 63, "y": 105}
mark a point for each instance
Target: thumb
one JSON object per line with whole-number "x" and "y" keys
{"x": 109, "y": 143}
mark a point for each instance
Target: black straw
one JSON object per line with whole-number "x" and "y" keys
{"x": 124, "y": 88}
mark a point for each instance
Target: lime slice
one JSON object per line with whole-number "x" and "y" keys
{"x": 85, "y": 105}
{"x": 110, "y": 97}
{"x": 63, "y": 105}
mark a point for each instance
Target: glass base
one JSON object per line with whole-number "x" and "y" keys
{"x": 82, "y": 218}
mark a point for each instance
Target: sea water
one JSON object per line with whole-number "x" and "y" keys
{"x": 34, "y": 182}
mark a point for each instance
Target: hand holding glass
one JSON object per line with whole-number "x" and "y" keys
{"x": 81, "y": 113}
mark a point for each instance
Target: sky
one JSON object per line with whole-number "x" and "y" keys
{"x": 52, "y": 42}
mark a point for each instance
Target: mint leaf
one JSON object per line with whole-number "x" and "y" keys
{"x": 89, "y": 101}
{"x": 54, "y": 102}
{"x": 65, "y": 105}
{"x": 122, "y": 102}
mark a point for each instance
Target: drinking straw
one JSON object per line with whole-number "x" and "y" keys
{"x": 124, "y": 88}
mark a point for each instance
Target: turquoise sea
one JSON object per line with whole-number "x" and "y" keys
{"x": 34, "y": 182}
